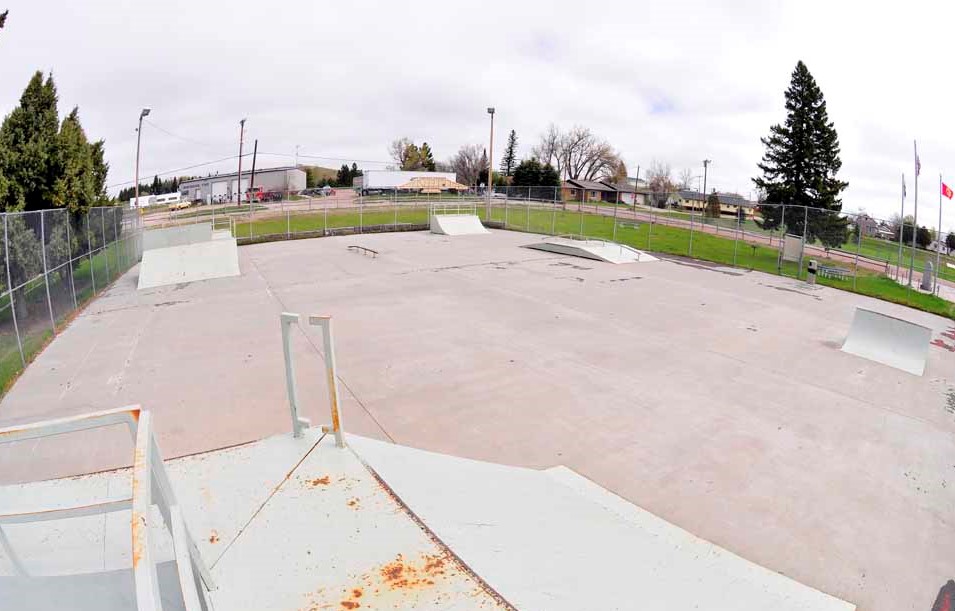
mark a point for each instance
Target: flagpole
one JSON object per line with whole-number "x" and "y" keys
{"x": 898, "y": 260}
{"x": 915, "y": 217}
{"x": 938, "y": 237}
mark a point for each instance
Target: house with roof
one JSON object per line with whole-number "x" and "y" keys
{"x": 577, "y": 190}
{"x": 730, "y": 203}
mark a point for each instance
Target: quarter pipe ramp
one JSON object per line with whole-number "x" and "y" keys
{"x": 888, "y": 340}
{"x": 457, "y": 224}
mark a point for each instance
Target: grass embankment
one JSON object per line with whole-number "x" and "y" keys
{"x": 722, "y": 249}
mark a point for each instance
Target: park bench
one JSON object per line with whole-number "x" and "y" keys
{"x": 836, "y": 273}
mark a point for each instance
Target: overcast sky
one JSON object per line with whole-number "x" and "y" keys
{"x": 676, "y": 82}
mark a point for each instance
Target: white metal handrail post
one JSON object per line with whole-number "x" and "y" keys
{"x": 299, "y": 424}
{"x": 325, "y": 322}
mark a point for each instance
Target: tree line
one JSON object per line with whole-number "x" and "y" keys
{"x": 45, "y": 162}
{"x": 158, "y": 186}
{"x": 574, "y": 154}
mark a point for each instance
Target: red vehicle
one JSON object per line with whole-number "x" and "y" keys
{"x": 258, "y": 194}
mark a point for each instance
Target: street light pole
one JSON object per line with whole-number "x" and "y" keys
{"x": 238, "y": 197}
{"x": 139, "y": 137}
{"x": 490, "y": 165}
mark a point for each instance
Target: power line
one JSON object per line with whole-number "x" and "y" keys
{"x": 178, "y": 137}
{"x": 190, "y": 167}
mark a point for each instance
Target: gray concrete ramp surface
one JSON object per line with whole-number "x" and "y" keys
{"x": 177, "y": 236}
{"x": 217, "y": 258}
{"x": 888, "y": 340}
{"x": 457, "y": 224}
{"x": 553, "y": 540}
{"x": 598, "y": 250}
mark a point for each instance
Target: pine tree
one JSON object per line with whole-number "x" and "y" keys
{"x": 800, "y": 166}
{"x": 28, "y": 144}
{"x": 75, "y": 187}
{"x": 509, "y": 160}
{"x": 355, "y": 172}
{"x": 156, "y": 187}
{"x": 527, "y": 173}
{"x": 549, "y": 176}
{"x": 343, "y": 179}
{"x": 713, "y": 205}
{"x": 426, "y": 157}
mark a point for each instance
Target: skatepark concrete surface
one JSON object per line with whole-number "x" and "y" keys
{"x": 717, "y": 399}
{"x": 298, "y": 523}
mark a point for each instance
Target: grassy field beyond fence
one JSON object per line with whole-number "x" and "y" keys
{"x": 665, "y": 239}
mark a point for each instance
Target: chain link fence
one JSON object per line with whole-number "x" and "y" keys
{"x": 54, "y": 262}
{"x": 852, "y": 249}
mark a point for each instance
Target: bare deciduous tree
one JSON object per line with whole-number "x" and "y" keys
{"x": 685, "y": 180}
{"x": 550, "y": 149}
{"x": 577, "y": 154}
{"x": 467, "y": 164}
{"x": 398, "y": 151}
{"x": 660, "y": 181}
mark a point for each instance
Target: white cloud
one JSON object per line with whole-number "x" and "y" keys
{"x": 676, "y": 81}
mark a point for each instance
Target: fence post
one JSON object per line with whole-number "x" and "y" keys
{"x": 13, "y": 308}
{"x": 395, "y": 199}
{"x": 102, "y": 222}
{"x": 553, "y": 218}
{"x": 89, "y": 248}
{"x": 615, "y": 206}
{"x": 650, "y": 228}
{"x": 782, "y": 241}
{"x": 46, "y": 274}
{"x": 527, "y": 215}
{"x": 580, "y": 211}
{"x": 805, "y": 231}
{"x": 288, "y": 224}
{"x": 361, "y": 218}
{"x": 855, "y": 270}
{"x": 69, "y": 248}
{"x": 505, "y": 209}
{"x": 736, "y": 237}
{"x": 120, "y": 264}
{"x": 325, "y": 216}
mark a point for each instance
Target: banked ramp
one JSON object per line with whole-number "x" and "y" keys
{"x": 553, "y": 540}
{"x": 180, "y": 264}
{"x": 888, "y": 340}
{"x": 457, "y": 224}
{"x": 598, "y": 250}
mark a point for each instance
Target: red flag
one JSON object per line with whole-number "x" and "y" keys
{"x": 947, "y": 191}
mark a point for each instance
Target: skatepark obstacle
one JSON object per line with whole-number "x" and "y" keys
{"x": 888, "y": 340}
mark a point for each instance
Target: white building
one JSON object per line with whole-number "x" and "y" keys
{"x": 225, "y": 187}
{"x": 390, "y": 179}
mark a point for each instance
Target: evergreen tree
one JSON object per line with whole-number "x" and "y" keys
{"x": 527, "y": 173}
{"x": 549, "y": 176}
{"x": 28, "y": 148}
{"x": 800, "y": 166}
{"x": 950, "y": 242}
{"x": 923, "y": 237}
{"x": 3, "y": 18}
{"x": 343, "y": 179}
{"x": 713, "y": 205}
{"x": 355, "y": 172}
{"x": 425, "y": 157}
{"x": 509, "y": 160}
{"x": 76, "y": 185}
{"x": 412, "y": 158}
{"x": 156, "y": 187}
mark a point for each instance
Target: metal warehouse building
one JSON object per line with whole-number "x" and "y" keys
{"x": 225, "y": 187}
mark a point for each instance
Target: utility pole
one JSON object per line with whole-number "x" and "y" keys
{"x": 238, "y": 198}
{"x": 139, "y": 136}
{"x": 490, "y": 165}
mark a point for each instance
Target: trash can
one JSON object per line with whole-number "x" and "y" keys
{"x": 813, "y": 268}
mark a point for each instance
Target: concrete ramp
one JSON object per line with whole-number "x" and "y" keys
{"x": 552, "y": 540}
{"x": 598, "y": 250}
{"x": 888, "y": 340}
{"x": 217, "y": 258}
{"x": 177, "y": 236}
{"x": 457, "y": 224}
